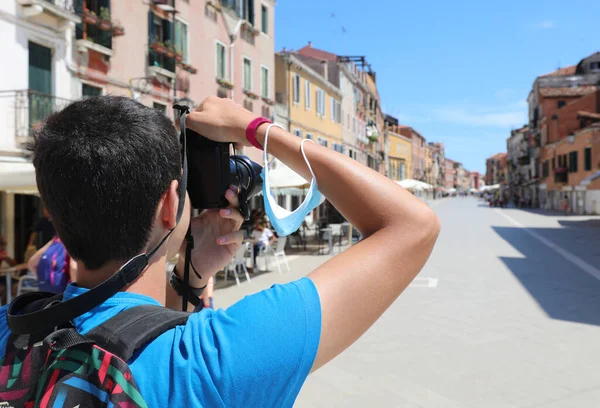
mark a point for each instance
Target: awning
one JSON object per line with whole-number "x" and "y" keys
{"x": 414, "y": 185}
{"x": 284, "y": 180}
{"x": 17, "y": 176}
{"x": 588, "y": 180}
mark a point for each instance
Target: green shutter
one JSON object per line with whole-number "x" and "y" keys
{"x": 587, "y": 153}
{"x": 40, "y": 68}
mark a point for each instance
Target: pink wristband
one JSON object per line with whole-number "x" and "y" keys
{"x": 251, "y": 131}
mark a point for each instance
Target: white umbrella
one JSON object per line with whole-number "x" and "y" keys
{"x": 451, "y": 191}
{"x": 284, "y": 177}
{"x": 414, "y": 185}
{"x": 17, "y": 176}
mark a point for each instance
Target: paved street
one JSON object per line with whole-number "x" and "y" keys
{"x": 505, "y": 314}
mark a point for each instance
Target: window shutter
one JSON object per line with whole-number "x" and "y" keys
{"x": 167, "y": 30}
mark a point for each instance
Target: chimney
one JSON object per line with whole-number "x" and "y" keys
{"x": 310, "y": 44}
{"x": 324, "y": 65}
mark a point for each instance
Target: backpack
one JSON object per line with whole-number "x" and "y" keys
{"x": 66, "y": 369}
{"x": 53, "y": 271}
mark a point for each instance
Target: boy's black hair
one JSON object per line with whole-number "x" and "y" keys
{"x": 102, "y": 165}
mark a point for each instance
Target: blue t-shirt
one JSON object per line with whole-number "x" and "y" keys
{"x": 256, "y": 353}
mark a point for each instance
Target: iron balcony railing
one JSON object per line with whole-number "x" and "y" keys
{"x": 27, "y": 111}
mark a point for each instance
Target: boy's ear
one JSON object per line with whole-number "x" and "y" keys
{"x": 170, "y": 203}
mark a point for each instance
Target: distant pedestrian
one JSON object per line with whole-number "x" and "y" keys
{"x": 565, "y": 205}
{"x": 53, "y": 266}
{"x": 43, "y": 231}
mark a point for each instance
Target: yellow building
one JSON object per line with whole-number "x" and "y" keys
{"x": 429, "y": 176}
{"x": 314, "y": 104}
{"x": 399, "y": 154}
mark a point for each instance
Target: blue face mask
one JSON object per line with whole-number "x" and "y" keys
{"x": 286, "y": 222}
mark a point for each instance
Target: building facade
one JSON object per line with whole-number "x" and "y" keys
{"x": 399, "y": 150}
{"x": 418, "y": 171}
{"x": 449, "y": 174}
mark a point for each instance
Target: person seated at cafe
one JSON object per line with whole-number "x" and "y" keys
{"x": 261, "y": 237}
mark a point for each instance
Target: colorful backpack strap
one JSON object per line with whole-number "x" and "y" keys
{"x": 133, "y": 328}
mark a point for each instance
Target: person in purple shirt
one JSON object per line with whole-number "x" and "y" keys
{"x": 108, "y": 170}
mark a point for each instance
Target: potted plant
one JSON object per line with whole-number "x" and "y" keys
{"x": 178, "y": 57}
{"x": 158, "y": 47}
{"x": 104, "y": 23}
{"x": 117, "y": 29}
{"x": 169, "y": 50}
{"x": 224, "y": 83}
{"x": 89, "y": 17}
{"x": 250, "y": 94}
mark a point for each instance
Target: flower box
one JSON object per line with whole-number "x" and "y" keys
{"x": 178, "y": 57}
{"x": 118, "y": 30}
{"x": 89, "y": 17}
{"x": 268, "y": 101}
{"x": 251, "y": 94}
{"x": 105, "y": 25}
{"x": 224, "y": 83}
{"x": 158, "y": 48}
{"x": 188, "y": 68}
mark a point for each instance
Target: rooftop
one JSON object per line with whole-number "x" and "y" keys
{"x": 568, "y": 91}
{"x": 570, "y": 70}
{"x": 309, "y": 51}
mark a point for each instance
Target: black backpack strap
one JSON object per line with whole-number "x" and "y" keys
{"x": 133, "y": 328}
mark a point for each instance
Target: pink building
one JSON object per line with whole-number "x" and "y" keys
{"x": 223, "y": 48}
{"x": 449, "y": 174}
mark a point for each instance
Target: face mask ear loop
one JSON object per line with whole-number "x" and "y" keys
{"x": 312, "y": 173}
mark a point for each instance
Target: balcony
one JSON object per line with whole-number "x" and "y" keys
{"x": 561, "y": 175}
{"x": 524, "y": 160}
{"x": 162, "y": 59}
{"x": 97, "y": 30}
{"x": 61, "y": 9}
{"x": 27, "y": 110}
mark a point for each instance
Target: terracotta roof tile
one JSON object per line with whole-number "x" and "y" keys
{"x": 309, "y": 51}
{"x": 570, "y": 70}
{"x": 566, "y": 91}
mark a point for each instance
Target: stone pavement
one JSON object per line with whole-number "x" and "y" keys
{"x": 497, "y": 318}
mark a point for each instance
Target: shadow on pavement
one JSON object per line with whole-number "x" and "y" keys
{"x": 563, "y": 291}
{"x": 591, "y": 223}
{"x": 537, "y": 211}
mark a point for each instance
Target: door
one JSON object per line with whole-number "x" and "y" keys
{"x": 40, "y": 98}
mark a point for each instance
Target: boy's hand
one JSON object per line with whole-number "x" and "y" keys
{"x": 217, "y": 237}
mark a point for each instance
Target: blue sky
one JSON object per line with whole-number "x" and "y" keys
{"x": 457, "y": 71}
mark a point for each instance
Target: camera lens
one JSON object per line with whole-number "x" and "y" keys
{"x": 246, "y": 174}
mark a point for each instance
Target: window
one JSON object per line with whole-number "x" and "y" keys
{"x": 553, "y": 163}
{"x": 401, "y": 171}
{"x": 281, "y": 200}
{"x": 160, "y": 31}
{"x": 221, "y": 62}
{"x": 88, "y": 91}
{"x": 350, "y": 153}
{"x": 348, "y": 121}
{"x": 338, "y": 112}
{"x": 595, "y": 66}
{"x": 247, "y": 74}
{"x": 296, "y": 86}
{"x": 248, "y": 105}
{"x": 320, "y": 102}
{"x": 307, "y": 94}
{"x": 264, "y": 19}
{"x": 573, "y": 162}
{"x": 560, "y": 104}
{"x": 338, "y": 148}
{"x": 546, "y": 169}
{"x": 354, "y": 125}
{"x": 297, "y": 133}
{"x": 322, "y": 142}
{"x": 264, "y": 77}
{"x": 181, "y": 39}
{"x": 159, "y": 106}
{"x": 587, "y": 159}
{"x": 309, "y": 136}
{"x": 332, "y": 108}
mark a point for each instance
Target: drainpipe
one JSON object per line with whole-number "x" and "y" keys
{"x": 232, "y": 39}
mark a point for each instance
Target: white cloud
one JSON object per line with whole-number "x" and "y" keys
{"x": 545, "y": 25}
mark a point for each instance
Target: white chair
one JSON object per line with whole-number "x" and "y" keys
{"x": 239, "y": 259}
{"x": 278, "y": 252}
{"x": 27, "y": 283}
